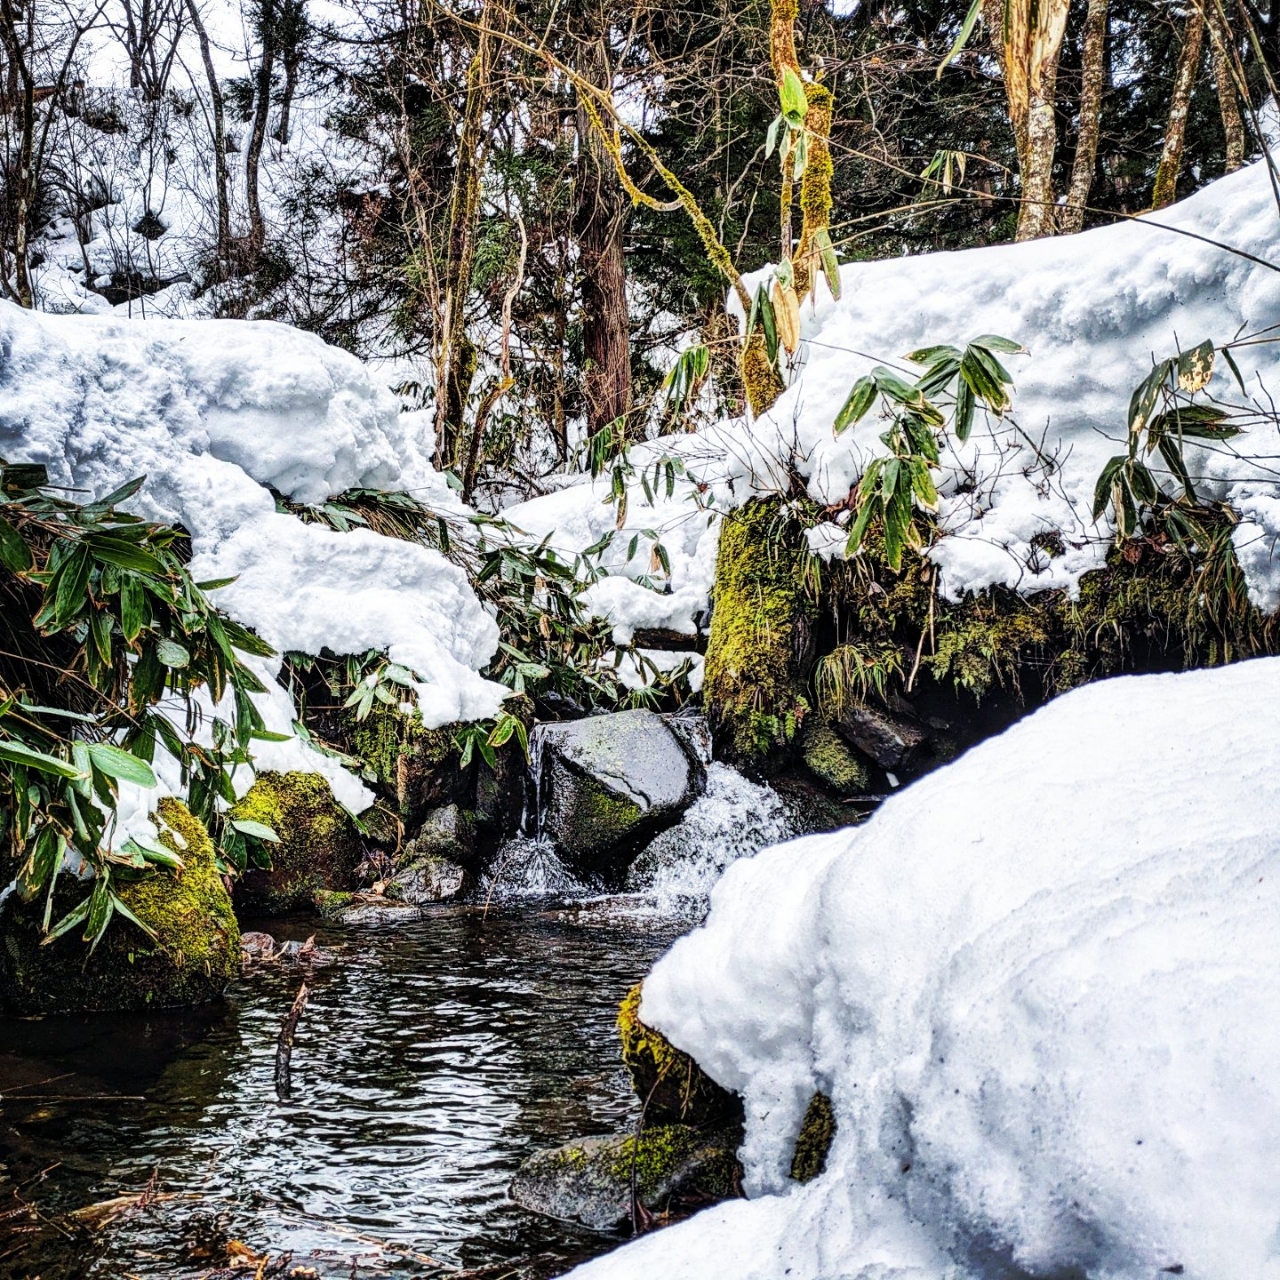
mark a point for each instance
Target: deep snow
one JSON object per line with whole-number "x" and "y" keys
{"x": 1094, "y": 310}
{"x": 1042, "y": 989}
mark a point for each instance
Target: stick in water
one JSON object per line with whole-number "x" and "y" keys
{"x": 284, "y": 1046}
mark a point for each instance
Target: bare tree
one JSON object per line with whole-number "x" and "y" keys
{"x": 1093, "y": 83}
{"x": 1165, "y": 190}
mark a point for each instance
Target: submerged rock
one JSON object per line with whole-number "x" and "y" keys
{"x": 195, "y": 953}
{"x": 319, "y": 845}
{"x": 670, "y": 1084}
{"x": 590, "y": 1182}
{"x": 611, "y": 782}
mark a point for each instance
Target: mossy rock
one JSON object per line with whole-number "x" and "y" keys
{"x": 833, "y": 762}
{"x": 817, "y": 1130}
{"x": 319, "y": 845}
{"x": 671, "y": 1085}
{"x": 195, "y": 953}
{"x": 753, "y": 687}
{"x": 589, "y": 1182}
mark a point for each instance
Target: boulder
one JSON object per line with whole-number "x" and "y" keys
{"x": 589, "y": 1182}
{"x": 319, "y": 847}
{"x": 670, "y": 1084}
{"x": 369, "y": 909}
{"x": 891, "y": 739}
{"x": 430, "y": 879}
{"x": 195, "y": 952}
{"x": 609, "y": 783}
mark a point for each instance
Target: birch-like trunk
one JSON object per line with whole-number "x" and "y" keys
{"x": 1175, "y": 130}
{"x": 1220, "y": 49}
{"x": 1093, "y": 81}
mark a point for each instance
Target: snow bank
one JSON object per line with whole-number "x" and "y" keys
{"x": 1093, "y": 309}
{"x": 217, "y": 413}
{"x": 1041, "y": 986}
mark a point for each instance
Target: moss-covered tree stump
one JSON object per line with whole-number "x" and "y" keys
{"x": 195, "y": 953}
{"x": 319, "y": 845}
{"x": 754, "y": 687}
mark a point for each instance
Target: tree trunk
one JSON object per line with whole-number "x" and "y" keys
{"x": 1220, "y": 48}
{"x": 291, "y": 65}
{"x": 456, "y": 356}
{"x": 1028, "y": 37}
{"x": 219, "y": 141}
{"x": 1093, "y": 81}
{"x": 24, "y": 193}
{"x": 601, "y": 220}
{"x": 258, "y": 132}
{"x": 1175, "y": 132}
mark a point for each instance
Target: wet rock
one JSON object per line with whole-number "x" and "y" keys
{"x": 365, "y": 909}
{"x": 447, "y": 832}
{"x": 319, "y": 846}
{"x": 833, "y": 762}
{"x": 611, "y": 782}
{"x": 694, "y": 732}
{"x": 674, "y": 1089}
{"x": 589, "y": 1182}
{"x": 194, "y": 954}
{"x": 892, "y": 739}
{"x": 430, "y": 879}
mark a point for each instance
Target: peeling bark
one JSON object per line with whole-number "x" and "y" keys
{"x": 1175, "y": 132}
{"x": 1093, "y": 84}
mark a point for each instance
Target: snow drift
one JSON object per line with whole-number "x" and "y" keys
{"x": 217, "y": 413}
{"x": 1042, "y": 988}
{"x": 1094, "y": 310}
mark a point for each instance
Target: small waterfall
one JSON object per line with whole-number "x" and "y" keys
{"x": 735, "y": 818}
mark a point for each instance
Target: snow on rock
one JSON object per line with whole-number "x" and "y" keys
{"x": 1094, "y": 310}
{"x": 217, "y": 413}
{"x": 1042, "y": 988}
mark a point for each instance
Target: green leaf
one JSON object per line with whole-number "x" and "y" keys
{"x": 15, "y": 555}
{"x": 1195, "y": 367}
{"x": 124, "y": 555}
{"x": 71, "y": 594}
{"x": 1172, "y": 456}
{"x": 16, "y": 753}
{"x": 1102, "y": 491}
{"x": 854, "y": 409}
{"x": 119, "y": 904}
{"x": 118, "y": 763}
{"x": 259, "y": 830}
{"x": 932, "y": 355}
{"x": 67, "y": 923}
{"x": 214, "y": 584}
{"x": 1144, "y": 398}
{"x": 993, "y": 342}
{"x": 966, "y": 30}
{"x": 101, "y": 909}
{"x": 20, "y": 476}
{"x": 771, "y": 138}
{"x": 1235, "y": 368}
{"x": 830, "y": 263}
{"x": 172, "y": 654}
{"x": 964, "y": 411}
{"x": 133, "y": 608}
{"x": 795, "y": 102}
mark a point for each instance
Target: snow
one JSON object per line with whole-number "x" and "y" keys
{"x": 1042, "y": 989}
{"x": 217, "y": 414}
{"x": 1094, "y": 310}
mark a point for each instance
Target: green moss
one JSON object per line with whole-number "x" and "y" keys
{"x": 331, "y": 903}
{"x": 760, "y": 378}
{"x": 599, "y": 818}
{"x": 658, "y": 1154}
{"x": 319, "y": 846}
{"x": 833, "y": 762}
{"x": 673, "y": 1088}
{"x": 195, "y": 953}
{"x": 753, "y": 686}
{"x": 817, "y": 1130}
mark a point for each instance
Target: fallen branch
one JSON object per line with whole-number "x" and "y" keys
{"x": 284, "y": 1045}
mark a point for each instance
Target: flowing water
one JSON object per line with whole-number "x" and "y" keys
{"x": 430, "y": 1061}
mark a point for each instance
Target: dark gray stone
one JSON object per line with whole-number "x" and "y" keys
{"x": 890, "y": 739}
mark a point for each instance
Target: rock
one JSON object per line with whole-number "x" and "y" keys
{"x": 589, "y": 1182}
{"x": 833, "y": 762}
{"x": 364, "y": 908}
{"x": 430, "y": 879}
{"x": 694, "y": 732}
{"x": 448, "y": 832}
{"x": 889, "y": 738}
{"x": 319, "y": 845}
{"x": 671, "y": 1085}
{"x": 817, "y": 1130}
{"x": 610, "y": 783}
{"x": 195, "y": 953}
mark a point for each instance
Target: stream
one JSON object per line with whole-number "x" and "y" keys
{"x": 430, "y": 1060}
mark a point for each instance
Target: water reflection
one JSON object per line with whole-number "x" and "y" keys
{"x": 430, "y": 1060}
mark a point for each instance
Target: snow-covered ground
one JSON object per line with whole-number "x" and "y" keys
{"x": 1042, "y": 988}
{"x": 1094, "y": 310}
{"x": 217, "y": 414}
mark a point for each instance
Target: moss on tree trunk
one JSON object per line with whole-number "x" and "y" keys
{"x": 754, "y": 687}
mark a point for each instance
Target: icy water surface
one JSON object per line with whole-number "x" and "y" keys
{"x": 431, "y": 1059}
